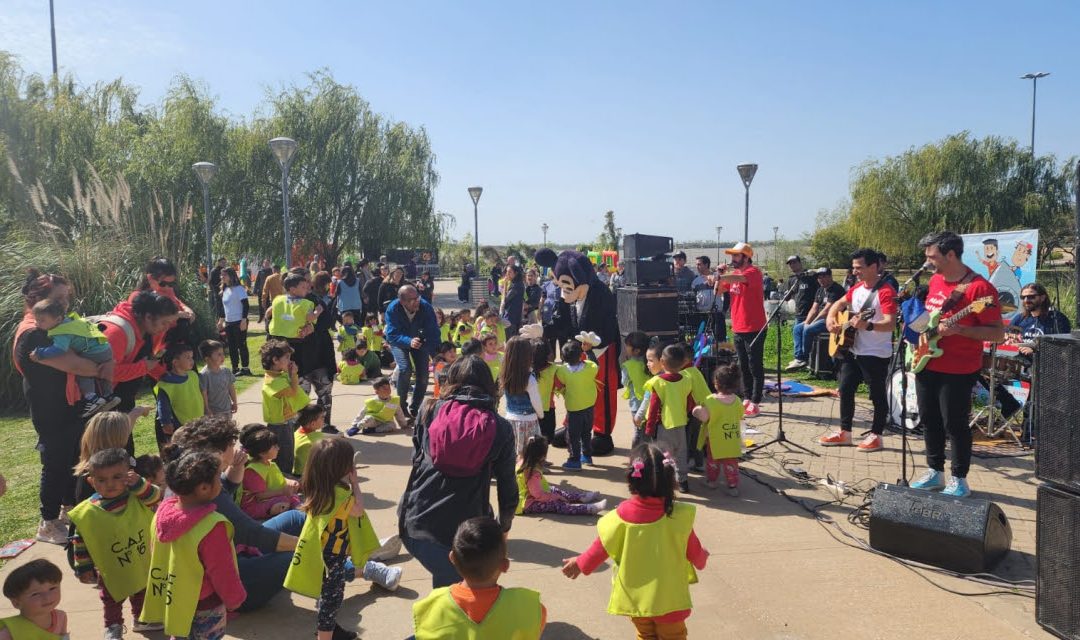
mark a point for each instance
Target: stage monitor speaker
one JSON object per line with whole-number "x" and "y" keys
{"x": 654, "y": 311}
{"x": 1057, "y": 554}
{"x": 1057, "y": 411}
{"x": 648, "y": 273}
{"x": 821, "y": 363}
{"x": 965, "y": 535}
{"x": 638, "y": 246}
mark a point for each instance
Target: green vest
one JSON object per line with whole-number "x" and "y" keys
{"x": 305, "y": 574}
{"x": 381, "y": 411}
{"x": 722, "y": 429}
{"x": 185, "y": 397}
{"x": 496, "y": 366}
{"x": 463, "y": 333}
{"x": 350, "y": 373}
{"x": 270, "y": 473}
{"x": 656, "y": 580}
{"x": 288, "y": 317}
{"x": 523, "y": 489}
{"x": 673, "y": 395}
{"x": 699, "y": 388}
{"x": 346, "y": 340}
{"x": 638, "y": 375}
{"x": 176, "y": 574}
{"x": 444, "y": 332}
{"x": 117, "y": 543}
{"x": 580, "y": 392}
{"x": 79, "y": 327}
{"x": 516, "y": 615}
{"x": 545, "y": 381}
{"x": 279, "y": 409}
{"x": 374, "y": 342}
{"x": 23, "y": 629}
{"x": 302, "y": 443}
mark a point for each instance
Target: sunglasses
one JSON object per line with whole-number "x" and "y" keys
{"x": 167, "y": 283}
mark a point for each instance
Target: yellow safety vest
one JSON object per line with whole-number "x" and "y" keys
{"x": 444, "y": 332}
{"x": 350, "y": 373}
{"x": 700, "y": 388}
{"x": 118, "y": 543}
{"x": 23, "y": 629}
{"x": 580, "y": 392}
{"x": 347, "y": 340}
{"x": 79, "y": 327}
{"x": 515, "y": 615}
{"x": 176, "y": 574}
{"x": 288, "y": 317}
{"x": 279, "y": 409}
{"x": 302, "y": 443}
{"x": 305, "y": 575}
{"x": 523, "y": 489}
{"x": 673, "y": 395}
{"x": 184, "y": 397}
{"x": 381, "y": 411}
{"x": 270, "y": 473}
{"x": 374, "y": 341}
{"x": 638, "y": 375}
{"x": 722, "y": 430}
{"x": 652, "y": 576}
{"x": 545, "y": 381}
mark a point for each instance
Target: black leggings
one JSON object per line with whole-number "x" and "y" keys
{"x": 58, "y": 445}
{"x": 873, "y": 371}
{"x": 751, "y": 362}
{"x": 945, "y": 408}
{"x": 238, "y": 347}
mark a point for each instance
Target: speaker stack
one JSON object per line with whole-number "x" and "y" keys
{"x": 1057, "y": 463}
{"x": 648, "y": 303}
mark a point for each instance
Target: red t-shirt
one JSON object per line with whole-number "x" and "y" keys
{"x": 747, "y": 301}
{"x": 961, "y": 354}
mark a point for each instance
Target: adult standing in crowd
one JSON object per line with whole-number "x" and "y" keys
{"x": 233, "y": 321}
{"x": 532, "y": 295}
{"x": 807, "y": 331}
{"x": 272, "y": 288}
{"x": 319, "y": 363}
{"x": 412, "y": 332}
{"x": 513, "y": 302}
{"x": 260, "y": 280}
{"x": 805, "y": 287}
{"x": 684, "y": 277}
{"x": 370, "y": 292}
{"x": 348, "y": 293}
{"x": 160, "y": 276}
{"x": 410, "y": 269}
{"x": 458, "y": 445}
{"x": 426, "y": 286}
{"x": 468, "y": 272}
{"x": 133, "y": 328}
{"x": 388, "y": 290}
{"x": 215, "y": 282}
{"x": 746, "y": 291}
{"x": 709, "y": 300}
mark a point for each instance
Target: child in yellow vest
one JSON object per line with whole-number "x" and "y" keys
{"x": 350, "y": 370}
{"x": 291, "y": 316}
{"x": 380, "y": 414}
{"x": 463, "y": 331}
{"x": 70, "y": 332}
{"x": 264, "y": 491}
{"x": 491, "y": 354}
{"x": 651, "y": 540}
{"x": 179, "y": 397}
{"x": 721, "y": 417}
{"x": 444, "y": 357}
{"x": 348, "y": 333}
{"x": 193, "y": 579}
{"x": 444, "y": 325}
{"x": 669, "y": 410}
{"x": 111, "y": 537}
{"x": 336, "y": 528}
{"x": 544, "y": 370}
{"x": 492, "y": 323}
{"x": 369, "y": 359}
{"x": 374, "y": 335}
{"x": 578, "y": 376}
{"x": 635, "y": 374}
{"x": 282, "y": 397}
{"x": 699, "y": 390}
{"x": 34, "y": 589}
{"x": 310, "y": 421}
{"x": 535, "y": 495}
{"x": 477, "y": 607}
{"x": 653, "y": 366}
{"x": 152, "y": 469}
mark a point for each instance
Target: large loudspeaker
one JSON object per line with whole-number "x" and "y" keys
{"x": 645, "y": 273}
{"x": 654, "y": 311}
{"x": 1057, "y": 407}
{"x": 965, "y": 535}
{"x": 640, "y": 246}
{"x": 1057, "y": 544}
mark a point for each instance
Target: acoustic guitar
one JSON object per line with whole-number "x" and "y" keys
{"x": 840, "y": 343}
{"x": 927, "y": 348}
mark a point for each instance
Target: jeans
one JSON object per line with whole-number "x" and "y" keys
{"x": 673, "y": 440}
{"x": 286, "y": 442}
{"x": 322, "y": 381}
{"x": 579, "y": 433}
{"x": 872, "y": 370}
{"x": 752, "y": 365}
{"x": 804, "y": 337}
{"x": 944, "y": 408}
{"x": 238, "y": 348}
{"x": 411, "y": 361}
{"x": 435, "y": 558}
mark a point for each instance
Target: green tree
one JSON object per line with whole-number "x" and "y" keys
{"x": 611, "y": 236}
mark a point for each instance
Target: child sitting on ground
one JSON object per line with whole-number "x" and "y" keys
{"x": 493, "y": 323}
{"x": 282, "y": 397}
{"x": 477, "y": 607}
{"x": 444, "y": 325}
{"x": 380, "y": 414}
{"x": 369, "y": 359}
{"x": 374, "y": 335}
{"x": 109, "y": 534}
{"x": 535, "y": 495}
{"x": 652, "y": 542}
{"x": 721, "y": 415}
{"x": 348, "y": 333}
{"x": 193, "y": 579}
{"x": 34, "y": 589}
{"x": 350, "y": 371}
{"x": 179, "y": 397}
{"x": 578, "y": 377}
{"x": 69, "y": 332}
{"x": 472, "y": 348}
{"x": 464, "y": 330}
{"x": 669, "y": 410}
{"x": 520, "y": 391}
{"x": 152, "y": 469}
{"x": 310, "y": 421}
{"x": 444, "y": 357}
{"x": 264, "y": 492}
{"x": 635, "y": 374}
{"x": 217, "y": 383}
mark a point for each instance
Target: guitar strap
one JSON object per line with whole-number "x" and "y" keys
{"x": 957, "y": 293}
{"x": 870, "y": 298}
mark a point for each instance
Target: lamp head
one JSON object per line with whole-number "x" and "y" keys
{"x": 205, "y": 171}
{"x": 746, "y": 172}
{"x": 474, "y": 193}
{"x": 284, "y": 149}
{"x": 1035, "y": 76}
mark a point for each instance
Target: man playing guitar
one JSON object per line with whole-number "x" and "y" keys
{"x": 944, "y": 385}
{"x": 868, "y": 358}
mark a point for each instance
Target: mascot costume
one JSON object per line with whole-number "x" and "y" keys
{"x": 588, "y": 305}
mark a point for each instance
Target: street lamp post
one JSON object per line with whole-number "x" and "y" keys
{"x": 205, "y": 172}
{"x": 776, "y": 249}
{"x": 746, "y": 172}
{"x": 718, "y": 230}
{"x": 474, "y": 193}
{"x": 544, "y": 227}
{"x": 284, "y": 150}
{"x": 1034, "y": 77}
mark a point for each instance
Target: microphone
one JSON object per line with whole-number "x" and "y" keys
{"x": 927, "y": 266}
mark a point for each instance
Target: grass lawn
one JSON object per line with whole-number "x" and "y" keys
{"x": 20, "y": 464}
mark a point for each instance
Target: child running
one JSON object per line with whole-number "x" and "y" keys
{"x": 477, "y": 607}
{"x": 669, "y": 410}
{"x": 578, "y": 377}
{"x": 651, "y": 539}
{"x": 535, "y": 495}
{"x": 310, "y": 421}
{"x": 34, "y": 589}
{"x": 521, "y": 391}
{"x": 721, "y": 415}
{"x": 70, "y": 332}
{"x": 380, "y": 414}
{"x": 282, "y": 397}
{"x": 217, "y": 383}
{"x": 179, "y": 396}
{"x": 264, "y": 491}
{"x": 336, "y": 528}
{"x": 110, "y": 531}
{"x": 635, "y": 374}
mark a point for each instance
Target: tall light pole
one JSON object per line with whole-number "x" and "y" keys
{"x": 718, "y": 230}
{"x": 474, "y": 193}
{"x": 544, "y": 227}
{"x": 284, "y": 150}
{"x": 206, "y": 171}
{"x": 1034, "y": 77}
{"x": 776, "y": 249}
{"x": 746, "y": 172}
{"x": 52, "y": 32}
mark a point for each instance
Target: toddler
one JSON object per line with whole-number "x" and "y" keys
{"x": 721, "y": 415}
{"x": 348, "y": 333}
{"x": 635, "y": 374}
{"x": 544, "y": 369}
{"x": 669, "y": 410}
{"x": 578, "y": 377}
{"x": 521, "y": 391}
{"x": 34, "y": 589}
{"x": 310, "y": 421}
{"x": 70, "y": 332}
{"x": 350, "y": 370}
{"x": 369, "y": 359}
{"x": 380, "y": 413}
{"x": 699, "y": 390}
{"x": 179, "y": 396}
{"x": 151, "y": 467}
{"x": 535, "y": 495}
{"x": 282, "y": 397}
{"x": 444, "y": 357}
{"x": 375, "y": 337}
{"x": 490, "y": 353}
{"x": 218, "y": 384}
{"x": 264, "y": 491}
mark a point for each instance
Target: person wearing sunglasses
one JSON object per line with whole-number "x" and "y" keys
{"x": 160, "y": 276}
{"x": 1035, "y": 318}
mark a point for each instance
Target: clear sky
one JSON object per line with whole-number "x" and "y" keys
{"x": 562, "y": 110}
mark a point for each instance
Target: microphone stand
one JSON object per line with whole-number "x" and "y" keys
{"x": 900, "y": 361}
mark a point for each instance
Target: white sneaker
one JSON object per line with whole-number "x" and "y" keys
{"x": 590, "y": 496}
{"x": 388, "y": 549}
{"x": 795, "y": 365}
{"x": 143, "y": 627}
{"x": 114, "y": 632}
{"x": 52, "y": 531}
{"x": 386, "y": 577}
{"x": 597, "y": 507}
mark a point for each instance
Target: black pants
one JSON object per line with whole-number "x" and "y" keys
{"x": 873, "y": 371}
{"x": 945, "y": 408}
{"x": 719, "y": 327}
{"x": 695, "y": 457}
{"x": 58, "y": 445}
{"x": 752, "y": 365}
{"x": 238, "y": 347}
{"x": 547, "y": 425}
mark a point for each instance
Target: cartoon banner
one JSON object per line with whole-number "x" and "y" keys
{"x": 1007, "y": 259}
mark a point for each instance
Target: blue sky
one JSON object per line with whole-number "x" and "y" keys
{"x": 563, "y": 110}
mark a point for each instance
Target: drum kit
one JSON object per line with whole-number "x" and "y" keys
{"x": 1003, "y": 364}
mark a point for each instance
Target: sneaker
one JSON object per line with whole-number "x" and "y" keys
{"x": 957, "y": 488}
{"x": 590, "y": 496}
{"x": 91, "y": 405}
{"x": 331, "y": 430}
{"x": 733, "y": 492}
{"x": 342, "y": 634}
{"x": 597, "y": 507}
{"x": 368, "y": 431}
{"x": 586, "y": 460}
{"x": 836, "y": 439}
{"x": 244, "y": 371}
{"x": 388, "y": 549}
{"x": 572, "y": 465}
{"x": 352, "y": 431}
{"x": 52, "y": 531}
{"x": 795, "y": 365}
{"x": 752, "y": 410}
{"x": 684, "y": 486}
{"x": 111, "y": 402}
{"x": 64, "y": 515}
{"x": 115, "y": 632}
{"x": 872, "y": 442}
{"x": 931, "y": 479}
{"x": 143, "y": 627}
{"x": 745, "y": 403}
{"x": 386, "y": 577}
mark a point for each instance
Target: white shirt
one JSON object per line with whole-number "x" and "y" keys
{"x": 878, "y": 342}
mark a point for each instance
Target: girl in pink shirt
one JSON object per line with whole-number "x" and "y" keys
{"x": 535, "y": 495}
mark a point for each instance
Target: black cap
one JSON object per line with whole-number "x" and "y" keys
{"x": 678, "y": 255}
{"x": 823, "y": 271}
{"x": 793, "y": 258}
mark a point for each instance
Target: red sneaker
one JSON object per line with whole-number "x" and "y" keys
{"x": 752, "y": 410}
{"x": 836, "y": 439}
{"x": 871, "y": 442}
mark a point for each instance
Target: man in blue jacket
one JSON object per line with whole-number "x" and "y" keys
{"x": 413, "y": 334}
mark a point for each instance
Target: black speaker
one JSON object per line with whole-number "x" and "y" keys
{"x": 654, "y": 311}
{"x": 966, "y": 535}
{"x": 1057, "y": 411}
{"x": 648, "y": 273}
{"x": 1057, "y": 554}
{"x": 821, "y": 363}
{"x": 640, "y": 246}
